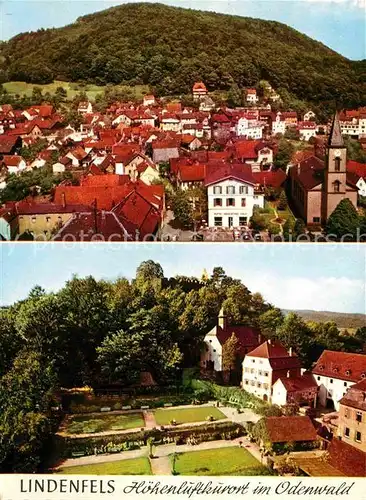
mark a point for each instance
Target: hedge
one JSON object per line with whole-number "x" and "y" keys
{"x": 209, "y": 431}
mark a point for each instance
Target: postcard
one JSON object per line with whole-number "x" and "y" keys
{"x": 164, "y": 369}
{"x": 182, "y": 249}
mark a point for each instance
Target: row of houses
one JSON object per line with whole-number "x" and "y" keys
{"x": 274, "y": 374}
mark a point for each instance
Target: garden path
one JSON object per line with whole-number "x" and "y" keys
{"x": 149, "y": 418}
{"x": 160, "y": 466}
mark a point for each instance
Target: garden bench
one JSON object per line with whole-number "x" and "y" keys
{"x": 166, "y": 405}
{"x": 145, "y": 407}
{"x": 105, "y": 408}
{"x": 126, "y": 407}
{"x": 76, "y": 454}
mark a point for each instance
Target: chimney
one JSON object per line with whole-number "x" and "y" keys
{"x": 298, "y": 169}
{"x": 290, "y": 351}
{"x": 259, "y": 338}
{"x": 288, "y": 374}
{"x": 63, "y": 200}
{"x": 269, "y": 341}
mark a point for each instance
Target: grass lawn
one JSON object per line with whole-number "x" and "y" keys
{"x": 186, "y": 415}
{"x": 232, "y": 461}
{"x": 133, "y": 466}
{"x": 82, "y": 424}
{"x": 71, "y": 88}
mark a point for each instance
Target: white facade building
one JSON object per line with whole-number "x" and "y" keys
{"x": 263, "y": 366}
{"x": 335, "y": 372}
{"x": 231, "y": 198}
{"x": 251, "y": 129}
{"x": 278, "y": 125}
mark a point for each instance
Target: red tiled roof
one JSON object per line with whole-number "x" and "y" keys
{"x": 7, "y": 143}
{"x": 341, "y": 365}
{"x": 273, "y": 178}
{"x": 192, "y": 173}
{"x": 87, "y": 226}
{"x": 277, "y": 355}
{"x": 199, "y": 86}
{"x": 12, "y": 160}
{"x": 356, "y": 168}
{"x": 105, "y": 180}
{"x": 289, "y": 429}
{"x": 247, "y": 149}
{"x": 240, "y": 172}
{"x": 346, "y": 458}
{"x": 356, "y": 396}
{"x": 247, "y": 336}
{"x": 311, "y": 172}
{"x": 295, "y": 384}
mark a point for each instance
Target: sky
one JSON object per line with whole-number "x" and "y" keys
{"x": 339, "y": 24}
{"x": 301, "y": 276}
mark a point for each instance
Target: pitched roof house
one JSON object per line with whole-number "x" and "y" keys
{"x": 211, "y": 357}
{"x": 290, "y": 429}
{"x": 263, "y": 366}
{"x": 352, "y": 416}
{"x": 335, "y": 372}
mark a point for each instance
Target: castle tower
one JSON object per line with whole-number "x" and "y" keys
{"x": 334, "y": 184}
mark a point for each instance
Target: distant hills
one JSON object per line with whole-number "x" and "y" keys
{"x": 343, "y": 320}
{"x": 169, "y": 48}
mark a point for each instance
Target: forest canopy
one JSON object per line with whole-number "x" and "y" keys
{"x": 170, "y": 48}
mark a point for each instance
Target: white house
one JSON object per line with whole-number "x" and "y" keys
{"x": 14, "y": 164}
{"x": 211, "y": 356}
{"x": 263, "y": 366}
{"x": 231, "y": 195}
{"x": 309, "y": 116}
{"x": 251, "y": 129}
{"x": 299, "y": 390}
{"x": 149, "y": 100}
{"x": 251, "y": 96}
{"x": 278, "y": 124}
{"x": 306, "y": 130}
{"x": 335, "y": 372}
{"x": 85, "y": 107}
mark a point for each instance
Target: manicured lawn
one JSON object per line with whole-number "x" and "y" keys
{"x": 133, "y": 466}
{"x": 82, "y": 424}
{"x": 186, "y": 415}
{"x": 71, "y": 88}
{"x": 232, "y": 461}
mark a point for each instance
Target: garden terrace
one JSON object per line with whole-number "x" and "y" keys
{"x": 98, "y": 423}
{"x": 232, "y": 461}
{"x": 187, "y": 415}
{"x": 133, "y": 466}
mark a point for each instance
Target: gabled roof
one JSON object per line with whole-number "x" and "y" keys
{"x": 7, "y": 143}
{"x": 341, "y": 365}
{"x": 356, "y": 396}
{"x": 276, "y": 354}
{"x": 335, "y": 138}
{"x": 273, "y": 178}
{"x": 12, "y": 160}
{"x": 299, "y": 384}
{"x": 199, "y": 86}
{"x": 289, "y": 429}
{"x": 239, "y": 172}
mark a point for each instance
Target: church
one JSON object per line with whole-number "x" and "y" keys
{"x": 318, "y": 185}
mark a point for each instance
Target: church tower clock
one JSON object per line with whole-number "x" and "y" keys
{"x": 335, "y": 174}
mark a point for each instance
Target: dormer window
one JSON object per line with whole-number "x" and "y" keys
{"x": 321, "y": 368}
{"x": 363, "y": 375}
{"x": 348, "y": 373}
{"x": 335, "y": 370}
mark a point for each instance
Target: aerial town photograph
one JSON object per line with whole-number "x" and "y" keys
{"x": 196, "y": 126}
{"x": 176, "y": 362}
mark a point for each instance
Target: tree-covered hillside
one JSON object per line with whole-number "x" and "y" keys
{"x": 169, "y": 48}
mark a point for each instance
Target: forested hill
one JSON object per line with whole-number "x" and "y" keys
{"x": 169, "y": 48}
{"x": 343, "y": 320}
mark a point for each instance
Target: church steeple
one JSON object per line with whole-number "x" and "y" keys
{"x": 335, "y": 139}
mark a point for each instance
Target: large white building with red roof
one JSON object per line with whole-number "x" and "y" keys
{"x": 231, "y": 195}
{"x": 335, "y": 372}
{"x": 264, "y": 365}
